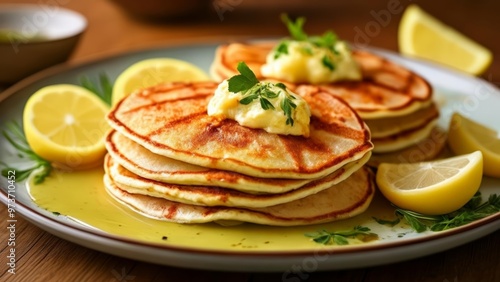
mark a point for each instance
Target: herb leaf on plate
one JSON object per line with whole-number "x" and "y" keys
{"x": 340, "y": 237}
{"x": 15, "y": 136}
{"x": 470, "y": 212}
{"x": 103, "y": 88}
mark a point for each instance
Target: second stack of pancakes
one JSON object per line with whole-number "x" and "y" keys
{"x": 396, "y": 103}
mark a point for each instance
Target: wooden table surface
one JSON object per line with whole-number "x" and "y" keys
{"x": 44, "y": 257}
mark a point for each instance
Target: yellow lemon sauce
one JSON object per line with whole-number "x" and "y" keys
{"x": 81, "y": 196}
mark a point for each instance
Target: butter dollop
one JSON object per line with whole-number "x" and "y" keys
{"x": 303, "y": 61}
{"x": 226, "y": 104}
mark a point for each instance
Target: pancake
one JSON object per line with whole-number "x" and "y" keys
{"x": 218, "y": 196}
{"x": 346, "y": 199}
{"x": 404, "y": 139}
{"x": 386, "y": 90}
{"x": 427, "y": 149}
{"x": 386, "y": 127}
{"x": 228, "y": 56}
{"x": 144, "y": 163}
{"x": 171, "y": 120}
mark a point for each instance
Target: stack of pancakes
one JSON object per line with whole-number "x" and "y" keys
{"x": 167, "y": 159}
{"x": 395, "y": 103}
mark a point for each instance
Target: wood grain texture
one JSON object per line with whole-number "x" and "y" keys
{"x": 44, "y": 257}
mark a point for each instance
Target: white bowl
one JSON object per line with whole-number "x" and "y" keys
{"x": 34, "y": 37}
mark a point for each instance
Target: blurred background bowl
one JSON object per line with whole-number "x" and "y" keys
{"x": 34, "y": 37}
{"x": 162, "y": 9}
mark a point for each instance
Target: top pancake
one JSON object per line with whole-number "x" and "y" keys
{"x": 386, "y": 90}
{"x": 171, "y": 120}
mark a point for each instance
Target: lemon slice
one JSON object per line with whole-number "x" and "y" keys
{"x": 66, "y": 125}
{"x": 422, "y": 35}
{"x": 467, "y": 136}
{"x": 150, "y": 72}
{"x": 432, "y": 188}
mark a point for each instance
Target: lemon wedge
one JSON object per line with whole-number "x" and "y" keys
{"x": 150, "y": 72}
{"x": 432, "y": 188}
{"x": 467, "y": 136}
{"x": 66, "y": 125}
{"x": 424, "y": 36}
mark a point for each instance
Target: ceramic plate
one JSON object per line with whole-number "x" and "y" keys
{"x": 245, "y": 247}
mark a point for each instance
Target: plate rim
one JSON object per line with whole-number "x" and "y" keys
{"x": 351, "y": 249}
{"x": 262, "y": 262}
{"x": 489, "y": 221}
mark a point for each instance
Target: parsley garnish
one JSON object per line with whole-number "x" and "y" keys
{"x": 104, "y": 89}
{"x": 247, "y": 83}
{"x": 327, "y": 62}
{"x": 281, "y": 49}
{"x": 15, "y": 136}
{"x": 340, "y": 237}
{"x": 390, "y": 223}
{"x": 243, "y": 81}
{"x": 295, "y": 29}
{"x": 472, "y": 211}
{"x": 328, "y": 40}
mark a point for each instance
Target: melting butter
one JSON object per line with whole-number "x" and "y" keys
{"x": 80, "y": 196}
{"x": 303, "y": 61}
{"x": 226, "y": 104}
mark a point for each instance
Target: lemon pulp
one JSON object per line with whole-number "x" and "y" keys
{"x": 436, "y": 187}
{"x": 424, "y": 36}
{"x": 465, "y": 136}
{"x": 66, "y": 125}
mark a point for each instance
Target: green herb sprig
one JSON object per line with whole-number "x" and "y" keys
{"x": 472, "y": 211}
{"x": 15, "y": 136}
{"x": 247, "y": 83}
{"x": 296, "y": 30}
{"x": 328, "y": 40}
{"x": 103, "y": 88}
{"x": 340, "y": 237}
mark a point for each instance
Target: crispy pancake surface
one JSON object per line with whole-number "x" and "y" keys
{"x": 219, "y": 196}
{"x": 386, "y": 127}
{"x": 171, "y": 120}
{"x": 145, "y": 163}
{"x": 344, "y": 200}
{"x": 403, "y": 139}
{"x": 386, "y": 89}
{"x": 426, "y": 149}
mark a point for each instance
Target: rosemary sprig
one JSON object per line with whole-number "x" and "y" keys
{"x": 249, "y": 86}
{"x": 472, "y": 211}
{"x": 15, "y": 136}
{"x": 103, "y": 89}
{"x": 340, "y": 237}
